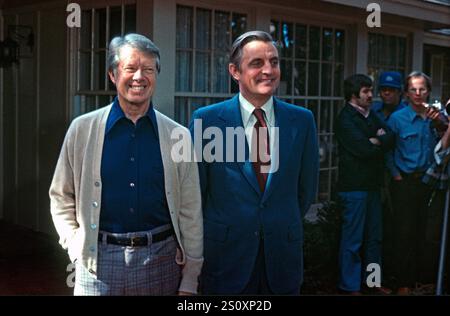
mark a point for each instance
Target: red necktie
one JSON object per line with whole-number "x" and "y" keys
{"x": 260, "y": 149}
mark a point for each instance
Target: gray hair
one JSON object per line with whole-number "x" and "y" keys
{"x": 137, "y": 41}
{"x": 242, "y": 40}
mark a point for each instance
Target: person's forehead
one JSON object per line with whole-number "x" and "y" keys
{"x": 419, "y": 80}
{"x": 258, "y": 46}
{"x": 128, "y": 54}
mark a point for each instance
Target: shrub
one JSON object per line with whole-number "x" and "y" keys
{"x": 321, "y": 249}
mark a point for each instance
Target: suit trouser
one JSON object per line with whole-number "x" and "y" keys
{"x": 147, "y": 270}
{"x": 361, "y": 230}
{"x": 417, "y": 230}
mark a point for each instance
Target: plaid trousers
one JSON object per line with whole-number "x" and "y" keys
{"x": 149, "y": 270}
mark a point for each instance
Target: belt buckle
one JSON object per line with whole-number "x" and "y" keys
{"x": 134, "y": 241}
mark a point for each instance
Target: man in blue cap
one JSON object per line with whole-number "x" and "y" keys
{"x": 390, "y": 85}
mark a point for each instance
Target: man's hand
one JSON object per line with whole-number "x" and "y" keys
{"x": 432, "y": 113}
{"x": 375, "y": 141}
{"x": 439, "y": 121}
{"x": 181, "y": 293}
{"x": 397, "y": 178}
{"x": 381, "y": 132}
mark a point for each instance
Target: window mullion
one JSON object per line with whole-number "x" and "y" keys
{"x": 91, "y": 75}
{"x": 106, "y": 46}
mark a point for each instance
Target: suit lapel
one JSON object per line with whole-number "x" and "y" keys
{"x": 286, "y": 135}
{"x": 231, "y": 115}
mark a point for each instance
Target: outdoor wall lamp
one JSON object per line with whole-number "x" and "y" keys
{"x": 10, "y": 49}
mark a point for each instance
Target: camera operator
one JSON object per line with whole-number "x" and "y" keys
{"x": 439, "y": 174}
{"x": 410, "y": 159}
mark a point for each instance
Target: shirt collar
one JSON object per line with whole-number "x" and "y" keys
{"x": 247, "y": 110}
{"x": 117, "y": 114}
{"x": 411, "y": 114}
{"x": 364, "y": 112}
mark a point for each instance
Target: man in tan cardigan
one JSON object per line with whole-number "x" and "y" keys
{"x": 128, "y": 214}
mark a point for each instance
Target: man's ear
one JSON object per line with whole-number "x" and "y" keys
{"x": 111, "y": 76}
{"x": 234, "y": 71}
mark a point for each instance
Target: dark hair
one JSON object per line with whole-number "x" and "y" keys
{"x": 354, "y": 83}
{"x": 137, "y": 41}
{"x": 242, "y": 40}
{"x": 416, "y": 74}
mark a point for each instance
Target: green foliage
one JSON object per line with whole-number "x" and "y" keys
{"x": 321, "y": 249}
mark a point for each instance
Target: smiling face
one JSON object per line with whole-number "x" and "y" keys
{"x": 135, "y": 77}
{"x": 259, "y": 73}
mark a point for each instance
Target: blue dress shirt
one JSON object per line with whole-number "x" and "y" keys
{"x": 414, "y": 142}
{"x": 133, "y": 194}
{"x": 377, "y": 108}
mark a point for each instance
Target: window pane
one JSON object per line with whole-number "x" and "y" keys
{"x": 202, "y": 72}
{"x": 372, "y": 44}
{"x": 327, "y": 44}
{"x": 130, "y": 18}
{"x": 300, "y": 41}
{"x": 182, "y": 113}
{"x": 324, "y": 151}
{"x": 85, "y": 71}
{"x": 238, "y": 25}
{"x": 85, "y": 31}
{"x": 275, "y": 30}
{"x": 386, "y": 53}
{"x": 286, "y": 77}
{"x": 203, "y": 29}
{"x": 325, "y": 116}
{"x": 314, "y": 42}
{"x": 184, "y": 73}
{"x": 326, "y": 79}
{"x": 299, "y": 78}
{"x": 313, "y": 106}
{"x": 99, "y": 71}
{"x": 184, "y": 27}
{"x": 287, "y": 40}
{"x": 222, "y": 31}
{"x": 340, "y": 45}
{"x": 115, "y": 22}
{"x": 339, "y": 80}
{"x": 90, "y": 104}
{"x": 392, "y": 47}
{"x": 100, "y": 28}
{"x": 313, "y": 79}
{"x": 103, "y": 100}
{"x": 401, "y": 52}
{"x": 221, "y": 76}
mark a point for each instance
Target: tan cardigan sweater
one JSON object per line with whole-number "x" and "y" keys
{"x": 75, "y": 194}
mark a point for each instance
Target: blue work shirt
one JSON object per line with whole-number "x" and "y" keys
{"x": 377, "y": 108}
{"x": 133, "y": 194}
{"x": 414, "y": 142}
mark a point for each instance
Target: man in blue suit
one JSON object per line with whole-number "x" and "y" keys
{"x": 254, "y": 199}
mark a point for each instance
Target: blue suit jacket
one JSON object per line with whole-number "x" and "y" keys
{"x": 238, "y": 216}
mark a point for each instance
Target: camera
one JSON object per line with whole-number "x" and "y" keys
{"x": 437, "y": 105}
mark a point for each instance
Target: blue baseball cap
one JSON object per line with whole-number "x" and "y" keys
{"x": 391, "y": 79}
